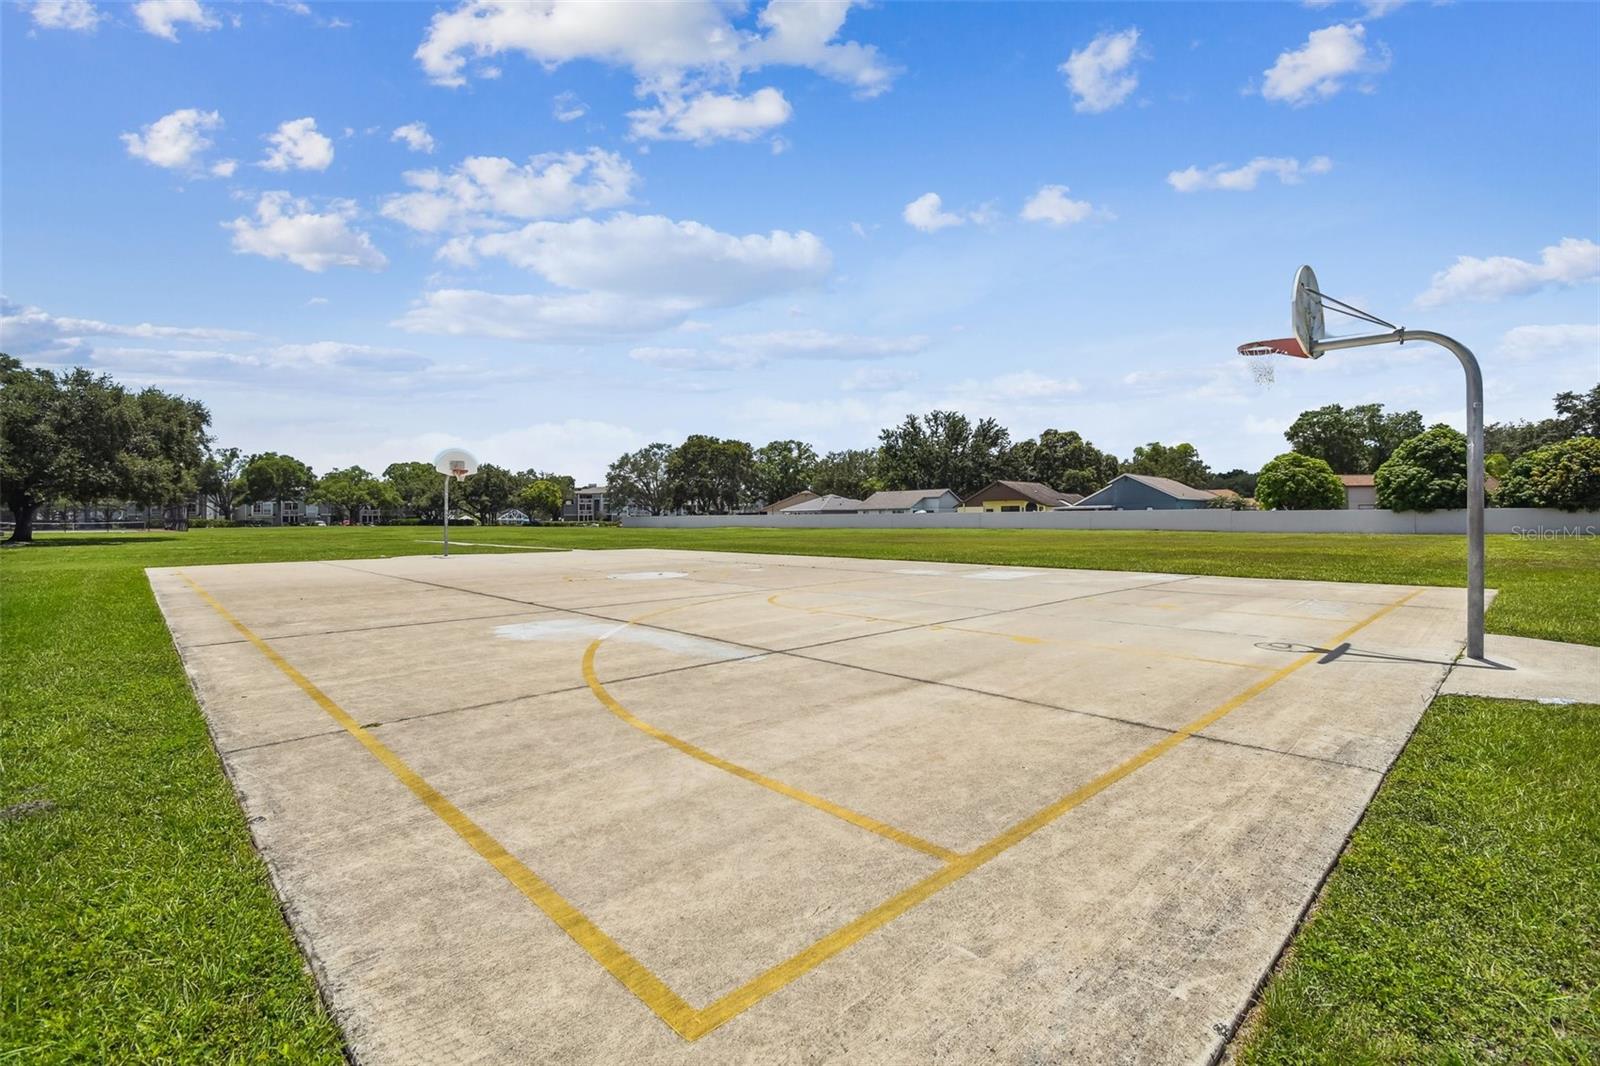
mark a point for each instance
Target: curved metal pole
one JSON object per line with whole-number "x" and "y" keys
{"x": 1469, "y": 364}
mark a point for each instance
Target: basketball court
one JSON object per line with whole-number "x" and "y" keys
{"x": 664, "y": 806}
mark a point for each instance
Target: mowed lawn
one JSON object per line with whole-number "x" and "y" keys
{"x": 141, "y": 926}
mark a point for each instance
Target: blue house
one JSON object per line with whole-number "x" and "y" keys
{"x": 1141, "y": 492}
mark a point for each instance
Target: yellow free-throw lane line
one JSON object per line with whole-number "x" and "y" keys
{"x": 685, "y": 1020}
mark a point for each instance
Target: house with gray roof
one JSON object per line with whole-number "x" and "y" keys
{"x": 829, "y": 504}
{"x": 1143, "y": 492}
{"x": 911, "y": 501}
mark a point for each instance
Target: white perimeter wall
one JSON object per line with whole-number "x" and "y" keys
{"x": 1522, "y": 520}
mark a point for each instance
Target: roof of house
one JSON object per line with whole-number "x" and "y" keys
{"x": 590, "y": 490}
{"x": 1176, "y": 489}
{"x": 1037, "y": 491}
{"x": 789, "y": 501}
{"x": 1222, "y": 492}
{"x": 1356, "y": 481}
{"x": 822, "y": 504}
{"x": 900, "y": 499}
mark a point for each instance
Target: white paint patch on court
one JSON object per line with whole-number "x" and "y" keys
{"x": 1003, "y": 575}
{"x": 921, "y": 573}
{"x": 559, "y": 629}
{"x": 647, "y": 575}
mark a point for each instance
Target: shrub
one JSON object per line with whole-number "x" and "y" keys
{"x": 1231, "y": 503}
{"x": 1295, "y": 482}
{"x": 212, "y": 523}
{"x": 1426, "y": 473}
{"x": 1564, "y": 475}
{"x": 407, "y": 522}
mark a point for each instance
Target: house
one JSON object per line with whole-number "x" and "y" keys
{"x": 1143, "y": 492}
{"x": 829, "y": 504}
{"x": 911, "y": 501}
{"x": 789, "y": 501}
{"x": 1359, "y": 492}
{"x": 1018, "y": 496}
{"x": 588, "y": 504}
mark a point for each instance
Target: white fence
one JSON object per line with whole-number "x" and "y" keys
{"x": 1525, "y": 521}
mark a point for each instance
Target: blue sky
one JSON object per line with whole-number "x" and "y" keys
{"x": 552, "y": 232}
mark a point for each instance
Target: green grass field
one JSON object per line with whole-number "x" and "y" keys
{"x": 140, "y": 924}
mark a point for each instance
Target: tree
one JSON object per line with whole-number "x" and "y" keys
{"x": 781, "y": 469}
{"x": 709, "y": 475}
{"x": 1067, "y": 462}
{"x": 852, "y": 473}
{"x": 541, "y": 499}
{"x": 1241, "y": 481}
{"x": 219, "y": 478}
{"x": 1564, "y": 475}
{"x": 1180, "y": 462}
{"x": 271, "y": 477}
{"x": 566, "y": 484}
{"x": 1577, "y": 415}
{"x": 943, "y": 449}
{"x": 81, "y": 437}
{"x": 419, "y": 489}
{"x": 1297, "y": 482}
{"x": 485, "y": 494}
{"x": 1354, "y": 440}
{"x": 639, "y": 479}
{"x": 348, "y": 490}
{"x": 1426, "y": 473}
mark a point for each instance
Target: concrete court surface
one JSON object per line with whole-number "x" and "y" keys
{"x": 694, "y": 807}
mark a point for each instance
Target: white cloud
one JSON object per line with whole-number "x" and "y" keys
{"x": 692, "y": 359}
{"x": 416, "y": 137}
{"x": 347, "y": 356}
{"x": 318, "y": 301}
{"x": 163, "y": 17}
{"x": 1318, "y": 69}
{"x": 1571, "y": 262}
{"x": 1537, "y": 342}
{"x": 33, "y": 331}
{"x": 711, "y": 116}
{"x": 878, "y": 379}
{"x": 663, "y": 44}
{"x": 821, "y": 344}
{"x": 483, "y": 188}
{"x": 1051, "y": 204}
{"x": 174, "y": 141}
{"x": 79, "y": 15}
{"x": 1241, "y": 179}
{"x": 224, "y": 168}
{"x": 656, "y": 258}
{"x": 927, "y": 214}
{"x": 298, "y": 146}
{"x": 566, "y": 107}
{"x": 565, "y": 318}
{"x": 288, "y": 228}
{"x": 1021, "y": 387}
{"x": 1099, "y": 74}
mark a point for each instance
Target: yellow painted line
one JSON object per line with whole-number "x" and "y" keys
{"x": 685, "y": 1020}
{"x": 650, "y": 989}
{"x": 742, "y": 998}
{"x": 855, "y": 818}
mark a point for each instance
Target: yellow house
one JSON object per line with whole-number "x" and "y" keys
{"x": 1018, "y": 496}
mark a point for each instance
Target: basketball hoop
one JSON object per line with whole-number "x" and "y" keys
{"x": 1311, "y": 341}
{"x": 456, "y": 464}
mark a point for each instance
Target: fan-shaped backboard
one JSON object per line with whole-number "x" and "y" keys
{"x": 457, "y": 462}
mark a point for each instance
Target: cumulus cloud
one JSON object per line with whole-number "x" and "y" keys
{"x": 560, "y": 318}
{"x": 296, "y": 145}
{"x": 1020, "y": 387}
{"x": 821, "y": 344}
{"x": 1241, "y": 179}
{"x": 1099, "y": 74}
{"x": 654, "y": 257}
{"x": 163, "y": 17}
{"x": 33, "y": 331}
{"x": 692, "y": 359}
{"x": 416, "y": 137}
{"x": 663, "y": 44}
{"x": 566, "y": 107}
{"x": 1319, "y": 68}
{"x": 347, "y": 356}
{"x": 1538, "y": 342}
{"x": 174, "y": 141}
{"x": 290, "y": 229}
{"x": 483, "y": 191}
{"x": 927, "y": 214}
{"x": 878, "y": 379}
{"x": 78, "y": 15}
{"x": 1571, "y": 262}
{"x": 224, "y": 168}
{"x": 711, "y": 116}
{"x": 1052, "y": 205}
